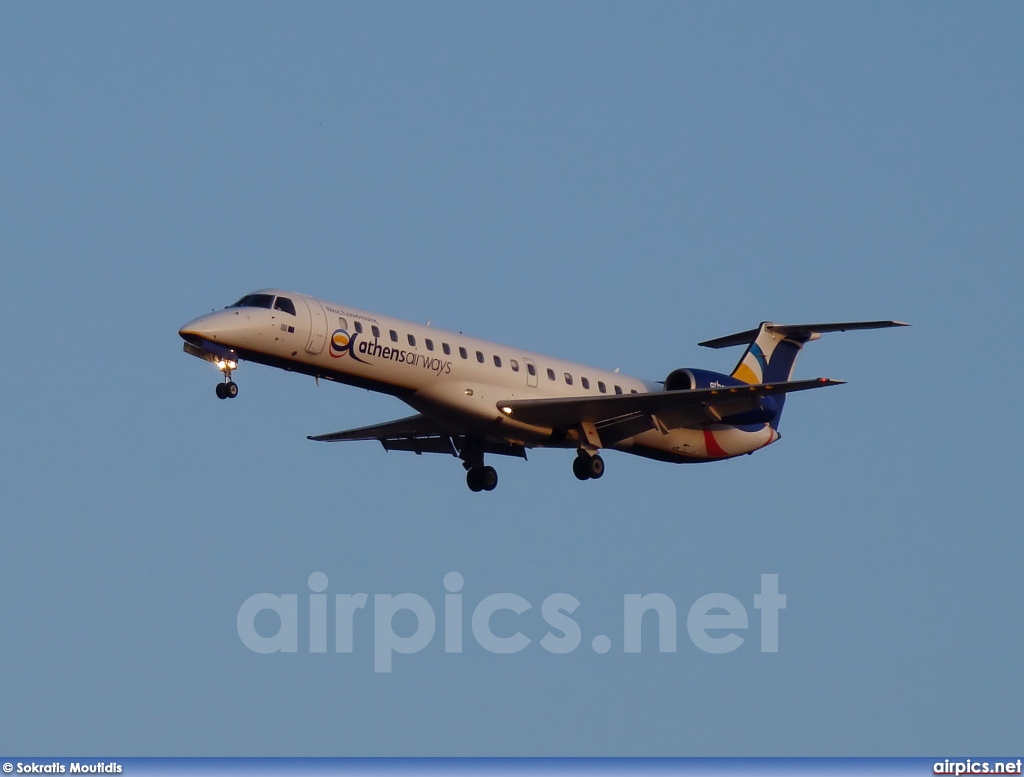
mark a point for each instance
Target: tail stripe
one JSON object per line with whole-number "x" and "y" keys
{"x": 713, "y": 448}
{"x": 764, "y": 359}
{"x": 744, "y": 373}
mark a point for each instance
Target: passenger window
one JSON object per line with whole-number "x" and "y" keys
{"x": 497, "y": 360}
{"x": 618, "y": 389}
{"x": 480, "y": 356}
{"x": 285, "y": 305}
{"x": 463, "y": 352}
{"x": 601, "y": 387}
{"x": 429, "y": 343}
{"x": 412, "y": 340}
{"x": 447, "y": 349}
{"x": 568, "y": 379}
{"x": 551, "y": 374}
{"x": 394, "y": 335}
{"x": 530, "y": 368}
{"x": 376, "y": 330}
{"x": 585, "y": 382}
{"x": 358, "y": 326}
{"x": 514, "y": 365}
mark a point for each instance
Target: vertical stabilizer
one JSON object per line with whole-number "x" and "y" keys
{"x": 772, "y": 349}
{"x": 770, "y": 356}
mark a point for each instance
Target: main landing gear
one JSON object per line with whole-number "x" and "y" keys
{"x": 478, "y": 476}
{"x": 588, "y": 466}
{"x": 481, "y": 479}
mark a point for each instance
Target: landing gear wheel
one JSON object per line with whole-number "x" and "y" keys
{"x": 587, "y": 467}
{"x": 231, "y": 389}
{"x": 482, "y": 479}
{"x": 580, "y": 468}
{"x": 222, "y": 392}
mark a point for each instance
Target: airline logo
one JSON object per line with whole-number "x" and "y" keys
{"x": 410, "y": 358}
{"x": 343, "y": 343}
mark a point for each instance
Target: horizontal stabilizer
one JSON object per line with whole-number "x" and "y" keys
{"x": 802, "y": 332}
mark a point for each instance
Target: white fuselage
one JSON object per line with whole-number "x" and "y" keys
{"x": 451, "y": 377}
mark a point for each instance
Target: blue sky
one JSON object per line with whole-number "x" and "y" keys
{"x": 610, "y": 183}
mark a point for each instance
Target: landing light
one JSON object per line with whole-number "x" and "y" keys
{"x": 225, "y": 364}
{"x": 507, "y": 410}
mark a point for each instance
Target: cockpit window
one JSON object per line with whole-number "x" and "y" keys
{"x": 255, "y": 301}
{"x": 285, "y": 306}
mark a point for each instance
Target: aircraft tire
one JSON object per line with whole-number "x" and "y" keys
{"x": 473, "y": 480}
{"x": 221, "y": 391}
{"x": 595, "y": 467}
{"x": 488, "y": 478}
{"x": 581, "y": 468}
{"x": 231, "y": 389}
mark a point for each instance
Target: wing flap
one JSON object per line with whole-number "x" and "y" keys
{"x": 420, "y": 445}
{"x": 613, "y": 430}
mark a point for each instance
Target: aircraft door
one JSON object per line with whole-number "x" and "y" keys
{"x": 318, "y": 326}
{"x": 531, "y": 372}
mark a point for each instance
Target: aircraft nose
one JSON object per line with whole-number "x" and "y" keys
{"x": 211, "y": 327}
{"x": 194, "y": 331}
{"x": 229, "y": 327}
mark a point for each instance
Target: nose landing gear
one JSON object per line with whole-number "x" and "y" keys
{"x": 228, "y": 389}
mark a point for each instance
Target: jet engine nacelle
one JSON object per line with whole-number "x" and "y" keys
{"x": 763, "y": 410}
{"x": 688, "y": 378}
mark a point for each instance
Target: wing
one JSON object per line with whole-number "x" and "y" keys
{"x": 624, "y": 415}
{"x": 419, "y": 434}
{"x": 413, "y": 426}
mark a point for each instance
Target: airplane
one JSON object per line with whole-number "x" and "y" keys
{"x": 475, "y": 398}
